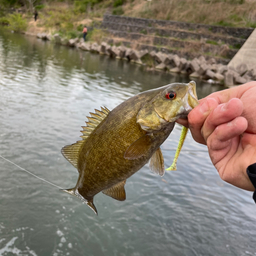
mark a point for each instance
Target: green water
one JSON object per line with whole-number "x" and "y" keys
{"x": 46, "y": 92}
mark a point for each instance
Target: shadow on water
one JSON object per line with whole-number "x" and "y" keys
{"x": 46, "y": 92}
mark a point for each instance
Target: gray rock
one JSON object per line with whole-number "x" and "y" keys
{"x": 160, "y": 57}
{"x": 48, "y": 37}
{"x": 203, "y": 68}
{"x": 253, "y": 73}
{"x": 211, "y": 61}
{"x": 44, "y": 36}
{"x": 39, "y": 35}
{"x": 108, "y": 49}
{"x": 209, "y": 74}
{"x": 103, "y": 47}
{"x": 85, "y": 46}
{"x": 183, "y": 63}
{"x": 202, "y": 59}
{"x": 241, "y": 69}
{"x": 175, "y": 70}
{"x": 229, "y": 78}
{"x": 122, "y": 50}
{"x": 214, "y": 67}
{"x": 222, "y": 69}
{"x": 57, "y": 38}
{"x": 219, "y": 77}
{"x": 247, "y": 78}
{"x": 64, "y": 41}
{"x": 113, "y": 51}
{"x": 175, "y": 61}
{"x": 143, "y": 53}
{"x": 128, "y": 52}
{"x": 95, "y": 48}
{"x": 152, "y": 54}
{"x": 194, "y": 65}
{"x": 72, "y": 42}
{"x": 240, "y": 80}
{"x": 194, "y": 75}
{"x": 161, "y": 66}
{"x": 134, "y": 55}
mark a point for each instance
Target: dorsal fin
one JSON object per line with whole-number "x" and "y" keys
{"x": 71, "y": 152}
{"x": 117, "y": 191}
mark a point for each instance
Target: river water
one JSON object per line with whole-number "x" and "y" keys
{"x": 46, "y": 92}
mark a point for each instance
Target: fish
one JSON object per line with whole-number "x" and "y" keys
{"x": 116, "y": 144}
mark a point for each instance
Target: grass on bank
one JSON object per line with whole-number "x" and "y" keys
{"x": 234, "y": 13}
{"x": 15, "y": 22}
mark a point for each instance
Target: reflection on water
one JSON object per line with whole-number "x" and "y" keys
{"x": 46, "y": 92}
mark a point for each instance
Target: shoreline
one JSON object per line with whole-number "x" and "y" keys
{"x": 207, "y": 70}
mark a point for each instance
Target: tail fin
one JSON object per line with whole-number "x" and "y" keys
{"x": 74, "y": 192}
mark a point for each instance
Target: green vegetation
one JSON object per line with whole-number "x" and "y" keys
{"x": 211, "y": 42}
{"x": 234, "y": 13}
{"x": 83, "y": 5}
{"x": 15, "y": 22}
{"x": 148, "y": 60}
{"x": 118, "y": 11}
{"x": 67, "y": 17}
{"x": 236, "y": 46}
{"x": 118, "y": 3}
{"x": 96, "y": 35}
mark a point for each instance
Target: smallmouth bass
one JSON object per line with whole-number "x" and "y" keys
{"x": 116, "y": 144}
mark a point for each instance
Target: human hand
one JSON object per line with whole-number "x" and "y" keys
{"x": 226, "y": 122}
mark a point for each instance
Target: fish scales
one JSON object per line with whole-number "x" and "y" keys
{"x": 125, "y": 140}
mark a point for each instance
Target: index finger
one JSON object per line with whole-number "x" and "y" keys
{"x": 223, "y": 113}
{"x": 197, "y": 117}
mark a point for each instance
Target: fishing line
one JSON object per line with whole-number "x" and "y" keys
{"x": 54, "y": 185}
{"x": 32, "y": 174}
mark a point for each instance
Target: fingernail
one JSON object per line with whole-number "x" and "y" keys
{"x": 223, "y": 107}
{"x": 204, "y": 107}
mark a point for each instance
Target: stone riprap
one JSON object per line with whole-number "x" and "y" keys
{"x": 197, "y": 68}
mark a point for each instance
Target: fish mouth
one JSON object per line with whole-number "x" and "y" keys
{"x": 192, "y": 100}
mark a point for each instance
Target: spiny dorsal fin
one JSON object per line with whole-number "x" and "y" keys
{"x": 117, "y": 191}
{"x": 71, "y": 152}
{"x": 157, "y": 162}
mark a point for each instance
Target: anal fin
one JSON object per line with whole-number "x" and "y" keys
{"x": 117, "y": 191}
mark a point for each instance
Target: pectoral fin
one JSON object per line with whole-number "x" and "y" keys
{"x": 117, "y": 191}
{"x": 139, "y": 148}
{"x": 157, "y": 163}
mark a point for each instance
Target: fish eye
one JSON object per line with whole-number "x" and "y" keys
{"x": 170, "y": 95}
